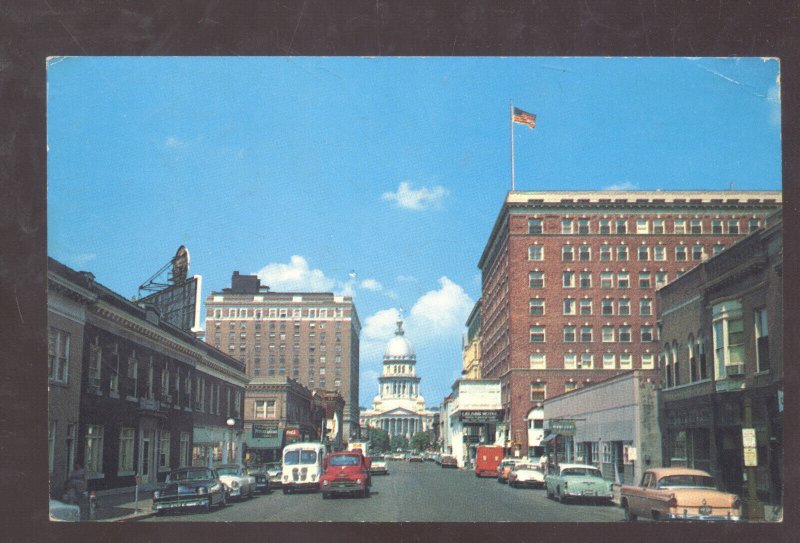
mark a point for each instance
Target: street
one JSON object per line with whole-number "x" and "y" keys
{"x": 412, "y": 492}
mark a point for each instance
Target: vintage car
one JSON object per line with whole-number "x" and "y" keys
{"x": 504, "y": 468}
{"x": 415, "y": 457}
{"x": 64, "y": 512}
{"x": 579, "y": 481}
{"x": 346, "y": 472}
{"x": 378, "y": 466}
{"x": 190, "y": 487}
{"x": 236, "y": 480}
{"x": 274, "y": 470}
{"x": 529, "y": 475}
{"x": 678, "y": 494}
{"x": 448, "y": 461}
{"x": 262, "y": 478}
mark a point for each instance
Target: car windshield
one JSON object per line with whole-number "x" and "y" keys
{"x": 700, "y": 481}
{"x": 520, "y": 467}
{"x": 190, "y": 475}
{"x": 344, "y": 460}
{"x": 231, "y": 470}
{"x": 300, "y": 457}
{"x": 581, "y": 472}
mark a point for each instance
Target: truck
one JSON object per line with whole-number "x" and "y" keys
{"x": 363, "y": 446}
{"x": 346, "y": 472}
{"x": 302, "y": 466}
{"x": 487, "y": 458}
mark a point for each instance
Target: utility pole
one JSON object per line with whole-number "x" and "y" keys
{"x": 752, "y": 507}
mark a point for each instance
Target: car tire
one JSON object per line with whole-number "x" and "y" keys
{"x": 549, "y": 494}
{"x": 559, "y": 496}
{"x": 285, "y": 490}
{"x": 325, "y": 496}
{"x": 630, "y": 517}
{"x": 207, "y": 505}
{"x": 223, "y": 502}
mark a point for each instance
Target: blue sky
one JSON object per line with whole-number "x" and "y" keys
{"x": 305, "y": 169}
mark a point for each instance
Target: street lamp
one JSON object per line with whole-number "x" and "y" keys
{"x": 230, "y": 422}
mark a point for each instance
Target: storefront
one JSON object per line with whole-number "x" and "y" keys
{"x": 216, "y": 445}
{"x": 264, "y": 443}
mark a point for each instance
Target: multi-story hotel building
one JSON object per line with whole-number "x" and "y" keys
{"x": 569, "y": 281}
{"x": 311, "y": 337}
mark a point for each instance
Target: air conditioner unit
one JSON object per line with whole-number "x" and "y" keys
{"x": 734, "y": 370}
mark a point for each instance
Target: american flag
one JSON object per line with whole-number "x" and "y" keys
{"x": 523, "y": 117}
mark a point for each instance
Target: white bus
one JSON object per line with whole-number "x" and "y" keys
{"x": 302, "y": 466}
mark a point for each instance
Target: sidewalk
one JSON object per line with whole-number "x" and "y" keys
{"x": 122, "y": 506}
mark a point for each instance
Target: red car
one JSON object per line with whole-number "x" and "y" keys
{"x": 346, "y": 473}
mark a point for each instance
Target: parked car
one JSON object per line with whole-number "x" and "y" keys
{"x": 448, "y": 461}
{"x": 190, "y": 487}
{"x": 437, "y": 457}
{"x": 529, "y": 475}
{"x": 583, "y": 481}
{"x": 64, "y": 512}
{"x": 274, "y": 471}
{"x": 487, "y": 458}
{"x": 236, "y": 480}
{"x": 262, "y": 479}
{"x": 415, "y": 458}
{"x": 504, "y": 468}
{"x": 346, "y": 472}
{"x": 378, "y": 465}
{"x": 680, "y": 494}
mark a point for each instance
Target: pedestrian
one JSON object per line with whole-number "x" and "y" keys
{"x": 76, "y": 489}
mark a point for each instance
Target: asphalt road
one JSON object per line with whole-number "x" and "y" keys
{"x": 413, "y": 492}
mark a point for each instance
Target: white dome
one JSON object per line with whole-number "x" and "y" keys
{"x": 399, "y": 346}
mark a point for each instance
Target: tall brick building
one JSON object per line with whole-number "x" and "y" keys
{"x": 312, "y": 337}
{"x": 569, "y": 281}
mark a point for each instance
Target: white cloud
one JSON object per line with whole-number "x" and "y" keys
{"x": 774, "y": 100}
{"x": 443, "y": 311}
{"x": 296, "y": 276}
{"x": 406, "y": 279}
{"x": 81, "y": 259}
{"x": 174, "y": 142}
{"x": 416, "y": 199}
{"x": 627, "y": 185}
{"x": 371, "y": 284}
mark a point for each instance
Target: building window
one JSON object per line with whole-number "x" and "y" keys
{"x": 644, "y": 280}
{"x": 647, "y": 361}
{"x": 728, "y": 339}
{"x": 717, "y": 249}
{"x": 624, "y": 307}
{"x": 163, "y": 449}
{"x": 608, "y": 334}
{"x": 625, "y": 361}
{"x": 605, "y": 253}
{"x": 126, "y": 438}
{"x": 607, "y": 306}
{"x": 568, "y": 279}
{"x": 583, "y": 226}
{"x": 693, "y": 369}
{"x": 95, "y": 362}
{"x": 586, "y": 307}
{"x": 658, "y": 226}
{"x": 570, "y": 386}
{"x": 538, "y": 392}
{"x": 716, "y": 226}
{"x": 538, "y": 361}
{"x": 133, "y": 375}
{"x": 647, "y": 333}
{"x": 536, "y": 252}
{"x": 569, "y": 306}
{"x": 586, "y": 361}
{"x": 697, "y": 252}
{"x": 570, "y": 361}
{"x": 762, "y": 339}
{"x": 753, "y": 225}
{"x": 642, "y": 226}
{"x": 584, "y": 253}
{"x": 164, "y": 381}
{"x": 567, "y": 253}
{"x": 606, "y": 280}
{"x": 605, "y": 226}
{"x": 586, "y": 334}
{"x": 536, "y": 307}
{"x": 535, "y": 226}
{"x": 662, "y": 278}
{"x": 645, "y": 306}
{"x": 622, "y": 226}
{"x": 622, "y": 253}
{"x": 184, "y": 449}
{"x": 623, "y": 280}
{"x": 113, "y": 374}
{"x": 337, "y": 383}
{"x": 609, "y": 361}
{"x": 680, "y": 253}
{"x": 536, "y": 279}
{"x": 237, "y": 405}
{"x": 659, "y": 253}
{"x": 585, "y": 280}
{"x": 93, "y": 449}
{"x": 625, "y": 334}
{"x": 696, "y": 226}
{"x": 537, "y": 334}
{"x": 566, "y": 226}
{"x": 701, "y": 354}
{"x": 569, "y": 334}
{"x": 643, "y": 253}
{"x": 58, "y": 355}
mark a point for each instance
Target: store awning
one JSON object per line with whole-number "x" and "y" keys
{"x": 263, "y": 442}
{"x": 546, "y": 440}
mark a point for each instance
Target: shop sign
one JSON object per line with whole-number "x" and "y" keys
{"x": 265, "y": 430}
{"x": 479, "y": 416}
{"x": 750, "y": 457}
{"x": 748, "y": 438}
{"x": 293, "y": 433}
{"x": 472, "y": 439}
{"x": 563, "y": 427}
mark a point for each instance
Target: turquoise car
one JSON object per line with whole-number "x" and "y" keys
{"x": 577, "y": 481}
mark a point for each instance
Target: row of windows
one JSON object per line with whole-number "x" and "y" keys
{"x": 622, "y": 253}
{"x": 279, "y": 313}
{"x": 608, "y": 306}
{"x": 585, "y": 334}
{"x": 584, "y": 279}
{"x": 126, "y": 462}
{"x": 644, "y": 226}
{"x": 586, "y": 361}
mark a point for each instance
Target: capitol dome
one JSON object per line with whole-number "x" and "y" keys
{"x": 399, "y": 346}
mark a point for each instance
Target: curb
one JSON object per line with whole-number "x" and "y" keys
{"x": 133, "y": 516}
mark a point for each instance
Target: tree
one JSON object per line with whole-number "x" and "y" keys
{"x": 399, "y": 442}
{"x": 378, "y": 440}
{"x": 421, "y": 441}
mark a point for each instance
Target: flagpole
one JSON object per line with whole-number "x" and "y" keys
{"x": 511, "y": 118}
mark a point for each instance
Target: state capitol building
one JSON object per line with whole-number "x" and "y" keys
{"x": 398, "y": 408}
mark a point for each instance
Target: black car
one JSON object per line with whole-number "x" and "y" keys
{"x": 262, "y": 479}
{"x": 190, "y": 487}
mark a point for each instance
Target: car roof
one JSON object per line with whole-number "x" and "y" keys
{"x": 563, "y": 466}
{"x": 663, "y": 472}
